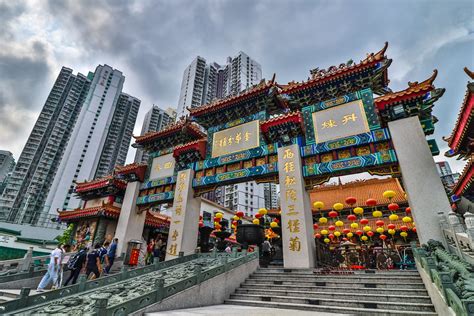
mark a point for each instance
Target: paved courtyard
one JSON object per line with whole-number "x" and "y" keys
{"x": 231, "y": 310}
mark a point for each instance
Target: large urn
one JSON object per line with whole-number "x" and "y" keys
{"x": 250, "y": 234}
{"x": 205, "y": 232}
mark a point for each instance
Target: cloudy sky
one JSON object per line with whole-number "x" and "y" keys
{"x": 152, "y": 42}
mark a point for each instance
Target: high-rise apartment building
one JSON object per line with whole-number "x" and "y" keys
{"x": 247, "y": 197}
{"x": 155, "y": 120}
{"x": 7, "y": 163}
{"x": 446, "y": 174}
{"x": 119, "y": 135}
{"x": 271, "y": 196}
{"x": 26, "y": 190}
{"x": 100, "y": 140}
{"x": 202, "y": 83}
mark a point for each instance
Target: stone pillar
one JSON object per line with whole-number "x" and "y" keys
{"x": 469, "y": 220}
{"x": 296, "y": 215}
{"x": 426, "y": 194}
{"x": 184, "y": 226}
{"x": 130, "y": 224}
{"x": 99, "y": 235}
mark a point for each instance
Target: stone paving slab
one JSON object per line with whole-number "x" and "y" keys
{"x": 236, "y": 310}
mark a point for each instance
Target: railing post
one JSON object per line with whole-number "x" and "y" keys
{"x": 123, "y": 272}
{"x": 160, "y": 290}
{"x": 198, "y": 272}
{"x": 82, "y": 283}
{"x": 234, "y": 252}
{"x": 100, "y": 305}
{"x": 214, "y": 253}
{"x": 181, "y": 254}
{"x": 24, "y": 293}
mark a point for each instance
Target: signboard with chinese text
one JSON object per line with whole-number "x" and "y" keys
{"x": 235, "y": 139}
{"x": 162, "y": 166}
{"x": 340, "y": 121}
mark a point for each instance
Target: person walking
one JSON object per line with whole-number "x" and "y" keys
{"x": 52, "y": 273}
{"x": 111, "y": 255}
{"x": 149, "y": 252}
{"x": 63, "y": 266}
{"x": 93, "y": 264}
{"x": 228, "y": 249}
{"x": 76, "y": 264}
{"x": 104, "y": 259}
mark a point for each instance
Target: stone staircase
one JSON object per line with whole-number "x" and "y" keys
{"x": 359, "y": 292}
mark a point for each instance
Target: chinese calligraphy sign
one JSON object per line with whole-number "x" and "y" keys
{"x": 235, "y": 139}
{"x": 162, "y": 166}
{"x": 341, "y": 121}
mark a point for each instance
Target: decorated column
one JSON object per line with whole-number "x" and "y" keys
{"x": 184, "y": 226}
{"x": 426, "y": 194}
{"x": 296, "y": 215}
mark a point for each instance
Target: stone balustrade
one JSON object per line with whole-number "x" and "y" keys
{"x": 458, "y": 232}
{"x": 453, "y": 276}
{"x": 129, "y": 290}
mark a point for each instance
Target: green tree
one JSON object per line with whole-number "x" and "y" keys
{"x": 66, "y": 237}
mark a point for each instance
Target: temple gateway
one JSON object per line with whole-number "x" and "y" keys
{"x": 343, "y": 120}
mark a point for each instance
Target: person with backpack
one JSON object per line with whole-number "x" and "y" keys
{"x": 104, "y": 259}
{"x": 76, "y": 264}
{"x": 93, "y": 264}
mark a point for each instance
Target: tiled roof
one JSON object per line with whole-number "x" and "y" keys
{"x": 334, "y": 72}
{"x": 465, "y": 116}
{"x": 295, "y": 117}
{"x": 466, "y": 178}
{"x": 198, "y": 145}
{"x": 100, "y": 183}
{"x": 223, "y": 103}
{"x": 129, "y": 167}
{"x": 361, "y": 190}
{"x": 106, "y": 210}
{"x": 414, "y": 89}
{"x": 180, "y": 125}
{"x": 156, "y": 220}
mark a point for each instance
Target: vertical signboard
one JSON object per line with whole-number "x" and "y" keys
{"x": 296, "y": 216}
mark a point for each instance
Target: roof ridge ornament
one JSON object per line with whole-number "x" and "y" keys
{"x": 469, "y": 73}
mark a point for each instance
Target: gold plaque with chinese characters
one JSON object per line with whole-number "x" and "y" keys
{"x": 340, "y": 121}
{"x": 162, "y": 166}
{"x": 235, "y": 139}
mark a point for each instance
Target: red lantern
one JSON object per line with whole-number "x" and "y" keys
{"x": 217, "y": 219}
{"x": 276, "y": 220}
{"x": 404, "y": 228}
{"x": 383, "y": 237}
{"x": 200, "y": 217}
{"x": 364, "y": 221}
{"x": 201, "y": 224}
{"x": 258, "y": 215}
{"x": 318, "y": 235}
{"x": 346, "y": 231}
{"x": 332, "y": 228}
{"x": 414, "y": 229}
{"x": 391, "y": 226}
{"x": 351, "y": 200}
{"x": 345, "y": 239}
{"x": 331, "y": 236}
{"x": 370, "y": 233}
{"x": 351, "y": 217}
{"x": 333, "y": 214}
{"x": 371, "y": 202}
{"x": 359, "y": 233}
{"x": 379, "y": 223}
{"x": 393, "y": 207}
{"x": 408, "y": 210}
{"x": 240, "y": 214}
{"x": 315, "y": 226}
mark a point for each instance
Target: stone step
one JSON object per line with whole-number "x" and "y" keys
{"x": 334, "y": 289}
{"x": 339, "y": 272}
{"x": 355, "y": 278}
{"x": 339, "y": 283}
{"x": 343, "y": 302}
{"x": 393, "y": 297}
{"x": 330, "y": 309}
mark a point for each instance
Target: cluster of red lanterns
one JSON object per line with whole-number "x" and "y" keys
{"x": 367, "y": 231}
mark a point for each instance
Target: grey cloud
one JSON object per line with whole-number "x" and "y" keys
{"x": 153, "y": 41}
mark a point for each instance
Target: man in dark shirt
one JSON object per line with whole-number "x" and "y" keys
{"x": 111, "y": 255}
{"x": 93, "y": 264}
{"x": 76, "y": 264}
